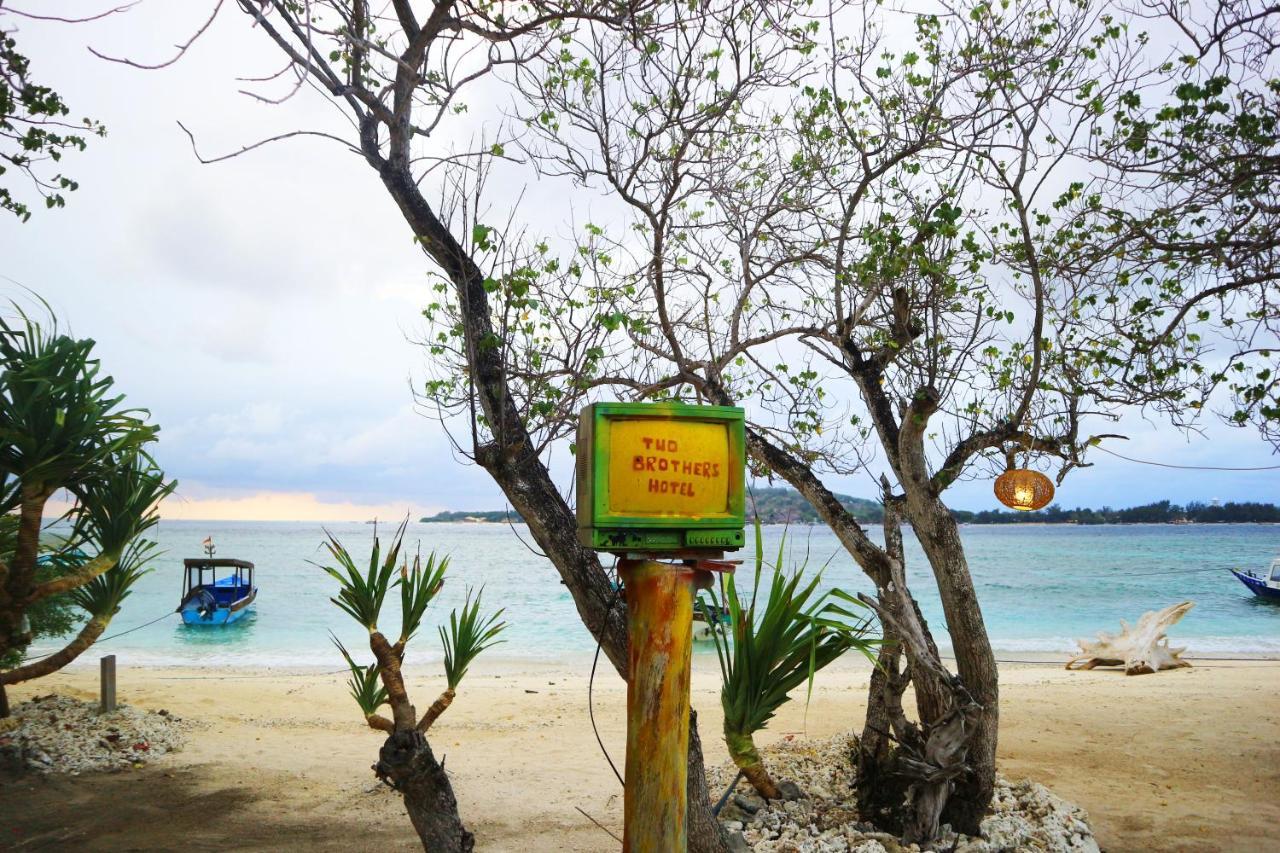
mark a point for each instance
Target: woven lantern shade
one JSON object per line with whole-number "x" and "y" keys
{"x": 1023, "y": 489}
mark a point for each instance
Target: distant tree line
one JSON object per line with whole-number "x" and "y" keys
{"x": 786, "y": 506}
{"x": 491, "y": 516}
{"x": 1160, "y": 512}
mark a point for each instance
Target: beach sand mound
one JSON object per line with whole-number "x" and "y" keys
{"x": 57, "y": 734}
{"x": 1025, "y": 815}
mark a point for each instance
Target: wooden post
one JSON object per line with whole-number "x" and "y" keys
{"x": 660, "y": 642}
{"x": 108, "y": 683}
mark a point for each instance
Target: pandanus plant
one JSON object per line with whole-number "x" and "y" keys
{"x": 406, "y": 761}
{"x": 63, "y": 428}
{"x": 774, "y": 642}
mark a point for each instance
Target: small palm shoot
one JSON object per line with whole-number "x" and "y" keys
{"x": 405, "y": 761}
{"x": 366, "y": 688}
{"x": 467, "y": 635}
{"x": 774, "y": 642}
{"x": 362, "y": 593}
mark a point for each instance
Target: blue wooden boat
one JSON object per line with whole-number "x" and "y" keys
{"x": 1265, "y": 586}
{"x": 214, "y": 600}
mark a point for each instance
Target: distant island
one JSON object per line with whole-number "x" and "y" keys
{"x": 499, "y": 516}
{"x": 785, "y": 506}
{"x": 1161, "y": 512}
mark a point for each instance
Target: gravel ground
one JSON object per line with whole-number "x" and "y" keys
{"x": 55, "y": 734}
{"x": 1025, "y": 816}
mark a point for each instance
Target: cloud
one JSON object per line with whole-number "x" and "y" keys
{"x": 284, "y": 506}
{"x": 216, "y": 505}
{"x": 259, "y": 307}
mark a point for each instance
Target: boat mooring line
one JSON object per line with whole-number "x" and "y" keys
{"x": 137, "y": 628}
{"x": 103, "y": 639}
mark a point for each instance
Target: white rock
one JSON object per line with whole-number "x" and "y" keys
{"x": 56, "y": 734}
{"x": 1025, "y": 815}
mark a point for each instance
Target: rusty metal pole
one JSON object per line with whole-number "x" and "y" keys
{"x": 660, "y": 643}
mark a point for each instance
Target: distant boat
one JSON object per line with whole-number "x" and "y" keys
{"x": 703, "y": 629}
{"x": 1265, "y": 586}
{"x": 217, "y": 600}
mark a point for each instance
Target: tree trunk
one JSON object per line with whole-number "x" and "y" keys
{"x": 742, "y": 750}
{"x": 939, "y": 537}
{"x": 408, "y": 765}
{"x": 881, "y": 792}
{"x": 4, "y": 701}
{"x": 513, "y": 465}
{"x": 19, "y": 573}
{"x": 703, "y": 830}
{"x": 91, "y": 631}
{"x": 402, "y": 711}
{"x": 883, "y": 787}
{"x": 88, "y": 570}
{"x": 438, "y": 707}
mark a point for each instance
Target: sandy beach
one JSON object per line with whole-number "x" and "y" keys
{"x": 1182, "y": 760}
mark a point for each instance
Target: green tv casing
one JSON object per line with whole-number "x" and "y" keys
{"x": 603, "y": 528}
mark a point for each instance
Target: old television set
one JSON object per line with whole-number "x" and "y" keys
{"x": 661, "y": 477}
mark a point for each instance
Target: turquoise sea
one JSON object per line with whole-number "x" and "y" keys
{"x": 1039, "y": 587}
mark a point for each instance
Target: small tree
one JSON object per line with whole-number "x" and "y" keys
{"x": 62, "y": 428}
{"x": 406, "y": 761}
{"x": 772, "y": 645}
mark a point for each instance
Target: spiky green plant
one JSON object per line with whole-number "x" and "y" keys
{"x": 365, "y": 686}
{"x": 776, "y": 641}
{"x": 361, "y": 595}
{"x": 63, "y": 426}
{"x": 102, "y": 596}
{"x": 56, "y": 615}
{"x": 468, "y": 635}
{"x": 417, "y": 589}
{"x": 60, "y": 419}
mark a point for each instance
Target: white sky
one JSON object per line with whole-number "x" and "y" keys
{"x": 260, "y": 307}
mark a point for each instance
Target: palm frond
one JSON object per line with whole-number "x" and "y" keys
{"x": 365, "y": 683}
{"x": 418, "y": 587}
{"x": 467, "y": 636}
{"x": 119, "y": 503}
{"x": 103, "y": 595}
{"x": 361, "y": 594}
{"x": 61, "y": 420}
{"x": 788, "y": 631}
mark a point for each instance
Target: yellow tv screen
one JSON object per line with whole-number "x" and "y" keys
{"x": 668, "y": 468}
{"x": 661, "y": 477}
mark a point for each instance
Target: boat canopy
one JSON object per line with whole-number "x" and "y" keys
{"x": 218, "y": 563}
{"x": 1274, "y": 574}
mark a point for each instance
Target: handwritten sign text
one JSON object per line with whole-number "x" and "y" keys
{"x": 667, "y": 467}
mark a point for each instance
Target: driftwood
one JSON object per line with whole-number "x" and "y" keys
{"x": 1142, "y": 648}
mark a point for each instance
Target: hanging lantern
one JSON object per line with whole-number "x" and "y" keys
{"x": 1024, "y": 489}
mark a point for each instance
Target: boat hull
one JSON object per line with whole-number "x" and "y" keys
{"x": 192, "y": 614}
{"x": 1257, "y": 586}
